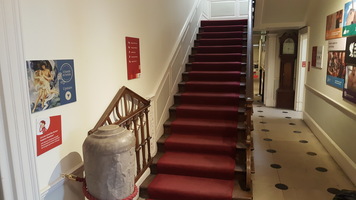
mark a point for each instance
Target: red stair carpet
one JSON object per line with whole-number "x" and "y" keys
{"x": 198, "y": 156}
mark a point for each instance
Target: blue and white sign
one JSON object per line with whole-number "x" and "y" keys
{"x": 51, "y": 83}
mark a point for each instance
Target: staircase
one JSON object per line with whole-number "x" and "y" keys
{"x": 205, "y": 151}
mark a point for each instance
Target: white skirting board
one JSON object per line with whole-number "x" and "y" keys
{"x": 347, "y": 165}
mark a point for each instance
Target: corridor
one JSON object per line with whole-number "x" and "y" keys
{"x": 290, "y": 162}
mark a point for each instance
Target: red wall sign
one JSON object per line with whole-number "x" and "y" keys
{"x": 133, "y": 57}
{"x": 304, "y": 63}
{"x": 49, "y": 133}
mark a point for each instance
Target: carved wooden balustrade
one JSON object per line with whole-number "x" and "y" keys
{"x": 130, "y": 110}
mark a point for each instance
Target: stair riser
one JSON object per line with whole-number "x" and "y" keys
{"x": 222, "y": 23}
{"x": 212, "y": 88}
{"x": 240, "y": 133}
{"x": 217, "y": 58}
{"x": 215, "y": 67}
{"x": 222, "y": 28}
{"x": 224, "y": 131}
{"x": 210, "y": 101}
{"x": 217, "y": 49}
{"x": 239, "y": 34}
{"x": 206, "y": 114}
{"x": 212, "y": 77}
{"x": 214, "y": 42}
{"x": 197, "y": 172}
{"x": 222, "y": 150}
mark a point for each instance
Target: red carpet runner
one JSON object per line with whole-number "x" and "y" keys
{"x": 197, "y": 153}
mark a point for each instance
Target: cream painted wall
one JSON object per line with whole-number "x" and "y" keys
{"x": 331, "y": 118}
{"x": 93, "y": 34}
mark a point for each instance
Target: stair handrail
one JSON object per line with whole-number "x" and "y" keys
{"x": 249, "y": 71}
{"x": 130, "y": 110}
{"x": 249, "y": 96}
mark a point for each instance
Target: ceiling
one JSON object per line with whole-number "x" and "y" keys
{"x": 280, "y": 14}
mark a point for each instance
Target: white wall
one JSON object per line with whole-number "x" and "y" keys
{"x": 93, "y": 34}
{"x": 226, "y": 9}
{"x": 331, "y": 118}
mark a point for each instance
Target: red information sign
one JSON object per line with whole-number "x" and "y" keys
{"x": 304, "y": 63}
{"x": 133, "y": 57}
{"x": 49, "y": 133}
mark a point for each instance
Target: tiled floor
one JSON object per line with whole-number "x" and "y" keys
{"x": 290, "y": 162}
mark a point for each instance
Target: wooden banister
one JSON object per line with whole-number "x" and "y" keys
{"x": 130, "y": 110}
{"x": 249, "y": 95}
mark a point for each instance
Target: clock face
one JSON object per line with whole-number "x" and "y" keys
{"x": 288, "y": 46}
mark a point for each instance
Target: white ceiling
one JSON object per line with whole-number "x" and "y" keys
{"x": 280, "y": 14}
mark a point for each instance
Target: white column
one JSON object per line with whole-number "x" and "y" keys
{"x": 17, "y": 153}
{"x": 271, "y": 65}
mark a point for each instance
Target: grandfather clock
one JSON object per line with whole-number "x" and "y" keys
{"x": 288, "y": 53}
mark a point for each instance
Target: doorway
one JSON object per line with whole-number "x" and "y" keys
{"x": 301, "y": 71}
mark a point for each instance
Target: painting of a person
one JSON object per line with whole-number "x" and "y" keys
{"x": 42, "y": 84}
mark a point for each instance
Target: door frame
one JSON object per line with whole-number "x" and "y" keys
{"x": 17, "y": 150}
{"x": 301, "y": 70}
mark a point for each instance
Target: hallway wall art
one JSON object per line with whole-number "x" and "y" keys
{"x": 51, "y": 83}
{"x": 334, "y": 25}
{"x": 335, "y": 72}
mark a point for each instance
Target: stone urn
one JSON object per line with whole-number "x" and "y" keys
{"x": 109, "y": 162}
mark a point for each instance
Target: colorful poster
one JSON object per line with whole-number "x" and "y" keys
{"x": 334, "y": 25}
{"x": 51, "y": 83}
{"x": 349, "y": 91}
{"x": 336, "y": 69}
{"x": 49, "y": 133}
{"x": 336, "y": 63}
{"x": 349, "y": 24}
{"x": 133, "y": 58}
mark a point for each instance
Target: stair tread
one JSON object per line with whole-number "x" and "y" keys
{"x": 206, "y": 122}
{"x": 223, "y": 108}
{"x": 175, "y": 187}
{"x": 237, "y": 192}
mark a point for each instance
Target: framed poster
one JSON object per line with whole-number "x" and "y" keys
{"x": 317, "y": 56}
{"x": 133, "y": 58}
{"x": 334, "y": 25}
{"x": 49, "y": 133}
{"x": 350, "y": 48}
{"x": 335, "y": 72}
{"x": 349, "y": 24}
{"x": 349, "y": 91}
{"x": 51, "y": 83}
